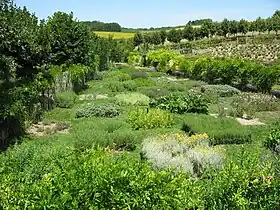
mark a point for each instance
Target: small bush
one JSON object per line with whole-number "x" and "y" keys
{"x": 178, "y": 151}
{"x": 130, "y": 85}
{"x": 133, "y": 99}
{"x": 139, "y": 74}
{"x": 141, "y": 82}
{"x": 230, "y": 138}
{"x": 180, "y": 103}
{"x": 98, "y": 110}
{"x": 272, "y": 142}
{"x": 66, "y": 99}
{"x": 154, "y": 92}
{"x": 115, "y": 86}
{"x": 220, "y": 90}
{"x": 150, "y": 118}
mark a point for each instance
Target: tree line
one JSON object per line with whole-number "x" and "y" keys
{"x": 100, "y": 26}
{"x": 210, "y": 28}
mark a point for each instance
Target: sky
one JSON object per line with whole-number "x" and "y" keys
{"x": 153, "y": 13}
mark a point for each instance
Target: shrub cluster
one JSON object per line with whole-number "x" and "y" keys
{"x": 249, "y": 104}
{"x": 220, "y": 90}
{"x": 98, "y": 110}
{"x": 132, "y": 99}
{"x": 191, "y": 154}
{"x": 150, "y": 118}
{"x": 181, "y": 103}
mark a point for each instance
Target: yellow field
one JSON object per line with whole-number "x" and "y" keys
{"x": 116, "y": 35}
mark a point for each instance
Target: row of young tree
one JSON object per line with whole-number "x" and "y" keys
{"x": 29, "y": 47}
{"x": 210, "y": 28}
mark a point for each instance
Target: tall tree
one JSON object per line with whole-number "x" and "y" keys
{"x": 208, "y": 28}
{"x": 233, "y": 27}
{"x": 225, "y": 27}
{"x": 138, "y": 39}
{"x": 69, "y": 40}
{"x": 243, "y": 26}
{"x": 261, "y": 25}
{"x": 163, "y": 36}
{"x": 174, "y": 35}
{"x": 188, "y": 33}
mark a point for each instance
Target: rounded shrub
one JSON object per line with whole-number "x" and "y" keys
{"x": 66, "y": 99}
{"x": 98, "y": 110}
{"x": 133, "y": 99}
{"x": 150, "y": 118}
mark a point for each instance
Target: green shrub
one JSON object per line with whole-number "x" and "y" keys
{"x": 98, "y": 110}
{"x": 191, "y": 154}
{"x": 154, "y": 92}
{"x": 272, "y": 142}
{"x": 141, "y": 82}
{"x": 150, "y": 118}
{"x": 250, "y": 103}
{"x": 66, "y": 99}
{"x": 133, "y": 99}
{"x": 117, "y": 75}
{"x": 124, "y": 77}
{"x": 181, "y": 103}
{"x": 220, "y": 90}
{"x": 130, "y": 85}
{"x": 230, "y": 138}
{"x": 139, "y": 74}
{"x": 115, "y": 86}
{"x": 185, "y": 66}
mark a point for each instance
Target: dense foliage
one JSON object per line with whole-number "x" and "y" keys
{"x": 181, "y": 103}
{"x": 98, "y": 110}
{"x": 100, "y": 26}
{"x": 150, "y": 118}
{"x": 66, "y": 99}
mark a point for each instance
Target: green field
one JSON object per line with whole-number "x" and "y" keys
{"x": 116, "y": 35}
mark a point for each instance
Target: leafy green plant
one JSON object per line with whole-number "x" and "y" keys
{"x": 181, "y": 103}
{"x": 130, "y": 85}
{"x": 98, "y": 110}
{"x": 132, "y": 99}
{"x": 272, "y": 141}
{"x": 150, "y": 118}
{"x": 66, "y": 99}
{"x": 115, "y": 86}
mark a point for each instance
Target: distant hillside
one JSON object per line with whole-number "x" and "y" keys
{"x": 101, "y": 26}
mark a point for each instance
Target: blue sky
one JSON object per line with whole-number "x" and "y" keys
{"x": 153, "y": 13}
